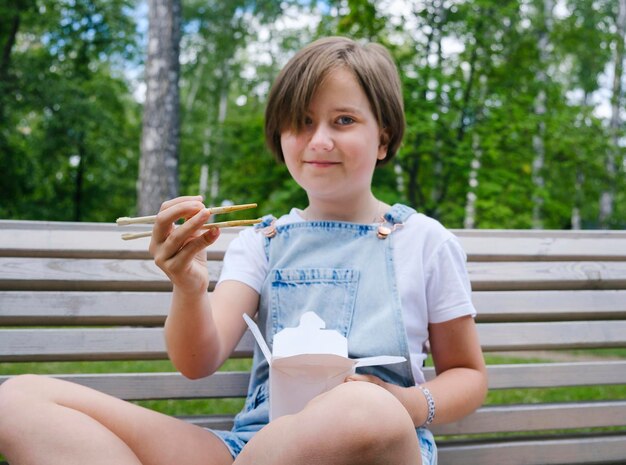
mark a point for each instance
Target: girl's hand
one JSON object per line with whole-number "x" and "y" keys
{"x": 180, "y": 250}
{"x": 375, "y": 380}
{"x": 412, "y": 400}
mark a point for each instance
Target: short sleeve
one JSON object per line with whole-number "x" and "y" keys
{"x": 448, "y": 288}
{"x": 245, "y": 260}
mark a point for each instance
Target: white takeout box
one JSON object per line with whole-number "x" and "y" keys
{"x": 307, "y": 361}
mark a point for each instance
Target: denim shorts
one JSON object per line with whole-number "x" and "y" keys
{"x": 255, "y": 415}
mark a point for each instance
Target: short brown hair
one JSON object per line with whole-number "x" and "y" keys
{"x": 295, "y": 85}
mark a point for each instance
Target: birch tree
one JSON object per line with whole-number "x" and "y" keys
{"x": 608, "y": 195}
{"x": 545, "y": 9}
{"x": 158, "y": 167}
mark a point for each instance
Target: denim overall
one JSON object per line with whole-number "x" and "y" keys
{"x": 345, "y": 273}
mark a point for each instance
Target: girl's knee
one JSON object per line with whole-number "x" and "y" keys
{"x": 18, "y": 391}
{"x": 363, "y": 402}
{"x": 363, "y": 417}
{"x": 17, "y": 388}
{"x": 15, "y": 397}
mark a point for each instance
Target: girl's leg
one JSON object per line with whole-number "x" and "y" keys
{"x": 48, "y": 421}
{"x": 354, "y": 423}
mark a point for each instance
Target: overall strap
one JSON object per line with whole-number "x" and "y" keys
{"x": 398, "y": 214}
{"x": 266, "y": 221}
{"x": 267, "y": 228}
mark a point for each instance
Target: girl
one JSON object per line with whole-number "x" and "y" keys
{"x": 387, "y": 278}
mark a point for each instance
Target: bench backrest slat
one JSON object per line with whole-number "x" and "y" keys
{"x": 32, "y": 238}
{"x": 75, "y": 274}
{"x": 567, "y": 450}
{"x": 550, "y": 305}
{"x": 512, "y": 246}
{"x": 84, "y": 308}
{"x": 547, "y": 275}
{"x": 142, "y": 386}
{"x": 149, "y": 386}
{"x": 147, "y": 343}
{"x": 150, "y": 308}
{"x": 520, "y": 418}
{"x": 552, "y": 335}
{"x": 87, "y": 240}
{"x": 137, "y": 275}
{"x": 91, "y": 344}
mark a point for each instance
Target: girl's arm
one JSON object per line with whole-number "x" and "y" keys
{"x": 200, "y": 331}
{"x": 461, "y": 382}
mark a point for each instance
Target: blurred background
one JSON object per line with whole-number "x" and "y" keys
{"x": 515, "y": 108}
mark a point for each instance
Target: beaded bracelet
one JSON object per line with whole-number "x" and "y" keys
{"x": 431, "y": 406}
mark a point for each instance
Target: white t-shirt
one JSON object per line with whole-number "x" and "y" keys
{"x": 430, "y": 271}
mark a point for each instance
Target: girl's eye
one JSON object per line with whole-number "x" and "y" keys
{"x": 345, "y": 120}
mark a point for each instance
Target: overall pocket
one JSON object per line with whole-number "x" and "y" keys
{"x": 329, "y": 292}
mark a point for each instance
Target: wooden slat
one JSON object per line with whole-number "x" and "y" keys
{"x": 541, "y": 375}
{"x": 607, "y": 449}
{"x": 149, "y": 386}
{"x": 85, "y": 240}
{"x": 480, "y": 245}
{"x": 522, "y": 245}
{"x": 547, "y": 275}
{"x": 552, "y": 335}
{"x": 91, "y": 344}
{"x": 223, "y": 422}
{"x": 142, "y": 386}
{"x": 512, "y": 451}
{"x": 150, "y": 308}
{"x": 537, "y": 417}
{"x": 147, "y": 343}
{"x": 596, "y": 234}
{"x": 547, "y": 305}
{"x": 80, "y": 275}
{"x": 83, "y": 308}
{"x": 132, "y": 274}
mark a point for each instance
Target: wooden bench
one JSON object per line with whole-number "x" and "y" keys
{"x": 72, "y": 291}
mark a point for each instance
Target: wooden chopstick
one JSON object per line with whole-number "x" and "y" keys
{"x": 223, "y": 224}
{"x": 125, "y": 220}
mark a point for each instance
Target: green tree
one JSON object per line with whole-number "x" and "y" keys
{"x": 71, "y": 126}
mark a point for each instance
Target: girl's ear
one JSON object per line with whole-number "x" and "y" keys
{"x": 384, "y": 144}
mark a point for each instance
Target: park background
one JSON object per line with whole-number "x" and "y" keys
{"x": 514, "y": 108}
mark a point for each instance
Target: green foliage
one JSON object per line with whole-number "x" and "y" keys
{"x": 473, "y": 74}
{"x": 71, "y": 126}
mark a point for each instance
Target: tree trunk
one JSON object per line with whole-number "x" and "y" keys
{"x": 80, "y": 177}
{"x": 158, "y": 167}
{"x": 540, "y": 113}
{"x": 470, "y": 202}
{"x": 608, "y": 195}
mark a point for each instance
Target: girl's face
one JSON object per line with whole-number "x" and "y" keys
{"x": 334, "y": 155}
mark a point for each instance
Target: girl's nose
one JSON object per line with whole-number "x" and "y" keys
{"x": 321, "y": 139}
